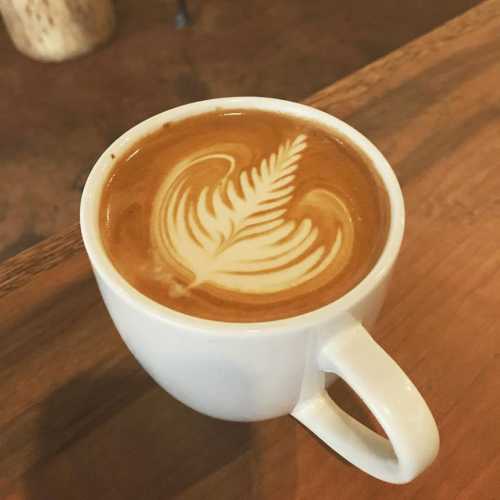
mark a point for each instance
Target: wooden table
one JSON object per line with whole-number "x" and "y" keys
{"x": 79, "y": 419}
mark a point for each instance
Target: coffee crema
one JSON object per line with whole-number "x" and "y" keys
{"x": 243, "y": 216}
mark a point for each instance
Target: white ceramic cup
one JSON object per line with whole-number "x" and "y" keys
{"x": 255, "y": 371}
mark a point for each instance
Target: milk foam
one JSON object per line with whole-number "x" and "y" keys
{"x": 239, "y": 234}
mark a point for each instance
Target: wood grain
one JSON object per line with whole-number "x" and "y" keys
{"x": 80, "y": 419}
{"x": 57, "y": 118}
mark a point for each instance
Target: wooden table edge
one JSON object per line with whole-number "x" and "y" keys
{"x": 18, "y": 270}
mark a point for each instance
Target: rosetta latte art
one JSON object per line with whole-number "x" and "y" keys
{"x": 238, "y": 235}
{"x": 243, "y": 215}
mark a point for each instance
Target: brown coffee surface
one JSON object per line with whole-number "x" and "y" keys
{"x": 243, "y": 216}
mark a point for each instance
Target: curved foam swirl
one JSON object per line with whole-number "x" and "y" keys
{"x": 239, "y": 234}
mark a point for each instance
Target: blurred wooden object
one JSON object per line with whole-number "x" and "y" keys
{"x": 55, "y": 30}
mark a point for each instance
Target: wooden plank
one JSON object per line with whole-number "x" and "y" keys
{"x": 55, "y": 121}
{"x": 80, "y": 419}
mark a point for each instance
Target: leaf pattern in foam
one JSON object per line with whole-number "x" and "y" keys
{"x": 235, "y": 236}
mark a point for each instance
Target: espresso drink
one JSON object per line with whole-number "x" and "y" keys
{"x": 243, "y": 215}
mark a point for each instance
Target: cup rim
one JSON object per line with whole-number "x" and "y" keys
{"x": 103, "y": 268}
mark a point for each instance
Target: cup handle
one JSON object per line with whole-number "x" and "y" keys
{"x": 395, "y": 402}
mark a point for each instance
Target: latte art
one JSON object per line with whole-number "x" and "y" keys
{"x": 243, "y": 216}
{"x": 237, "y": 234}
